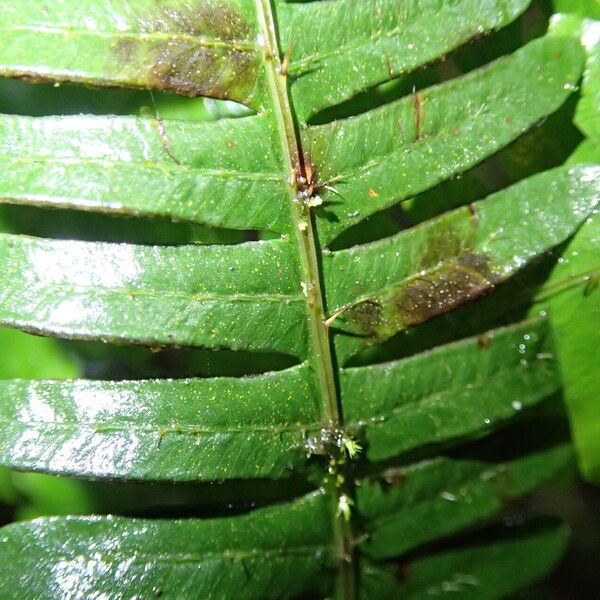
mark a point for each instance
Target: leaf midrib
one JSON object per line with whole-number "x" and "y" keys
{"x": 169, "y": 167}
{"x": 211, "y": 555}
{"x": 304, "y": 64}
{"x": 234, "y": 45}
{"x": 104, "y": 427}
{"x": 164, "y": 294}
{"x": 303, "y": 229}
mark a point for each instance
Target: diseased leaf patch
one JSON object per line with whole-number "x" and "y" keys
{"x": 422, "y": 299}
{"x": 191, "y": 48}
{"x": 312, "y": 418}
{"x": 428, "y": 270}
{"x": 203, "y": 50}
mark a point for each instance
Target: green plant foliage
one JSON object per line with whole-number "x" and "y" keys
{"x": 492, "y": 569}
{"x": 573, "y": 309}
{"x": 285, "y": 548}
{"x": 290, "y": 275}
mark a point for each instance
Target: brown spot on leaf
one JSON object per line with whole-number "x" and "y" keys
{"x": 591, "y": 285}
{"x": 418, "y": 113}
{"x": 373, "y": 193}
{"x": 126, "y": 49}
{"x": 484, "y": 341}
{"x": 427, "y": 297}
{"x": 367, "y": 316}
{"x": 204, "y": 49}
{"x": 421, "y": 298}
{"x": 473, "y": 212}
{"x": 202, "y": 18}
{"x": 394, "y": 477}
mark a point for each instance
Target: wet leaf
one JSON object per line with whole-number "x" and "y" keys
{"x": 270, "y": 553}
{"x": 571, "y": 296}
{"x": 224, "y": 173}
{"x": 287, "y": 301}
{"x": 488, "y": 569}
{"x": 463, "y": 121}
{"x": 448, "y": 261}
{"x": 451, "y": 392}
{"x": 412, "y": 505}
{"x": 212, "y": 296}
{"x": 341, "y": 48}
{"x": 181, "y": 430}
{"x": 200, "y": 48}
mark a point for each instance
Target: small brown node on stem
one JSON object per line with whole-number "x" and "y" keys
{"x": 473, "y": 212}
{"x": 285, "y": 63}
{"x": 306, "y": 181}
{"x": 484, "y": 340}
{"x": 164, "y": 139}
{"x": 419, "y": 112}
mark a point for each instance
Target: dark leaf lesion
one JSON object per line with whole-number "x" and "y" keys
{"x": 420, "y": 299}
{"x": 448, "y": 271}
{"x": 202, "y": 18}
{"x": 200, "y": 49}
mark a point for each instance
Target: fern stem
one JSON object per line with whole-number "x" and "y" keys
{"x": 303, "y": 224}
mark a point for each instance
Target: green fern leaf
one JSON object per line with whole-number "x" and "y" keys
{"x": 381, "y": 455}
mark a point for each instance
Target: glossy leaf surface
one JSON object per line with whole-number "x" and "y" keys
{"x": 387, "y": 37}
{"x": 164, "y": 429}
{"x": 511, "y": 558}
{"x": 440, "y": 132}
{"x": 389, "y": 285}
{"x": 453, "y": 391}
{"x": 203, "y": 48}
{"x": 200, "y": 172}
{"x": 195, "y": 294}
{"x": 572, "y": 298}
{"x": 570, "y": 293}
{"x": 322, "y": 284}
{"x": 410, "y": 506}
{"x": 273, "y": 553}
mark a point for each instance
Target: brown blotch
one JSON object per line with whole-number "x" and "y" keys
{"x": 427, "y": 297}
{"x": 197, "y": 19}
{"x": 484, "y": 341}
{"x": 421, "y": 299}
{"x": 418, "y": 102}
{"x": 187, "y": 66}
{"x": 477, "y": 262}
{"x": 126, "y": 50}
{"x": 394, "y": 477}
{"x": 367, "y": 316}
{"x": 591, "y": 285}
